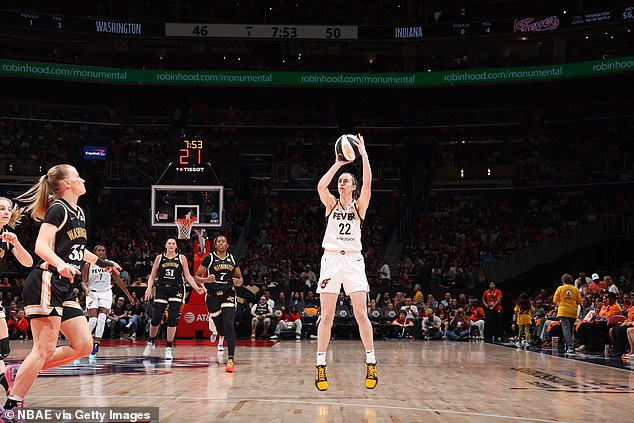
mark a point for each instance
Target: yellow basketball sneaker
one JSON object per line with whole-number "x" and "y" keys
{"x": 321, "y": 381}
{"x": 230, "y": 366}
{"x": 371, "y": 379}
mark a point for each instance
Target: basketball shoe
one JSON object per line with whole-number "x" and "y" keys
{"x": 371, "y": 379}
{"x": 321, "y": 381}
{"x": 149, "y": 348}
{"x": 95, "y": 350}
{"x": 229, "y": 366}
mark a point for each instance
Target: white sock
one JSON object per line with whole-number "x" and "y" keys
{"x": 221, "y": 340}
{"x": 92, "y": 323}
{"x": 369, "y": 357}
{"x": 321, "y": 358}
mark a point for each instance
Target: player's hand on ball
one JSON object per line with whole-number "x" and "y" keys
{"x": 361, "y": 145}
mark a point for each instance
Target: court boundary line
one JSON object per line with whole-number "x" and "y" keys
{"x": 603, "y": 366}
{"x": 329, "y": 403}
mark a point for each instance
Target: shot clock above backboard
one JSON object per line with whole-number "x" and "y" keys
{"x": 191, "y": 155}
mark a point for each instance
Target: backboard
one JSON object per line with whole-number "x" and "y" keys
{"x": 171, "y": 202}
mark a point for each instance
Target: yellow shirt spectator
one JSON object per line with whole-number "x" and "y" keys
{"x": 567, "y": 297}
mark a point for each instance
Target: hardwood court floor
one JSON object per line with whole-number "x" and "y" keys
{"x": 432, "y": 381}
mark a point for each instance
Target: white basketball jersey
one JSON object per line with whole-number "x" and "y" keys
{"x": 99, "y": 279}
{"x": 343, "y": 231}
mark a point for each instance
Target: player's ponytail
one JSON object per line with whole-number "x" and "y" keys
{"x": 16, "y": 213}
{"x": 41, "y": 195}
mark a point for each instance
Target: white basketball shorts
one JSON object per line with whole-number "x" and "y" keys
{"x": 342, "y": 269}
{"x": 99, "y": 299}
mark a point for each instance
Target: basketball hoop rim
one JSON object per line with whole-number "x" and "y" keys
{"x": 185, "y": 226}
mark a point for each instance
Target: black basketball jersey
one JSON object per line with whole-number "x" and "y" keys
{"x": 5, "y": 247}
{"x": 222, "y": 268}
{"x": 261, "y": 309}
{"x": 70, "y": 239}
{"x": 170, "y": 271}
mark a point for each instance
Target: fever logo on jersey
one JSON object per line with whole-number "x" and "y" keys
{"x": 323, "y": 283}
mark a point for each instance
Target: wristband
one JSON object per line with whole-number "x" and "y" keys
{"x": 104, "y": 263}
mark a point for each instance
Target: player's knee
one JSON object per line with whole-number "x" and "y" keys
{"x": 5, "y": 348}
{"x": 327, "y": 316}
{"x": 83, "y": 347}
{"x": 44, "y": 352}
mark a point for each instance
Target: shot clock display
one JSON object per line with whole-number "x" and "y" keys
{"x": 191, "y": 155}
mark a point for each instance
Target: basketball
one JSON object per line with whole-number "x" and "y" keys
{"x": 346, "y": 148}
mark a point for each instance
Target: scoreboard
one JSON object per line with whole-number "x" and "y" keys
{"x": 191, "y": 155}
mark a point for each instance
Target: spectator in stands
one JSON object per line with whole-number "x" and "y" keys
{"x": 137, "y": 318}
{"x": 432, "y": 325}
{"x": 261, "y": 313}
{"x": 296, "y": 300}
{"x": 611, "y": 287}
{"x": 492, "y": 301}
{"x": 567, "y": 298}
{"x": 443, "y": 315}
{"x": 582, "y": 280}
{"x": 310, "y": 301}
{"x": 459, "y": 327}
{"x": 290, "y": 319}
{"x": 594, "y": 286}
{"x": 618, "y": 335}
{"x": 431, "y": 302}
{"x": 384, "y": 273}
{"x": 403, "y": 327}
{"x": 18, "y": 325}
{"x": 119, "y": 316}
{"x": 447, "y": 300}
{"x": 418, "y": 294}
{"x": 281, "y": 301}
{"x": 594, "y": 335}
{"x": 476, "y": 315}
{"x": 308, "y": 277}
{"x": 410, "y": 309}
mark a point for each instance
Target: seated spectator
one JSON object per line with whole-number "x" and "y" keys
{"x": 261, "y": 313}
{"x": 476, "y": 315}
{"x": 310, "y": 301}
{"x": 18, "y": 325}
{"x": 459, "y": 327}
{"x": 5, "y": 283}
{"x": 443, "y": 315}
{"x": 290, "y": 319}
{"x": 403, "y": 327}
{"x": 432, "y": 325}
{"x": 618, "y": 335}
{"x": 137, "y": 318}
{"x": 296, "y": 300}
{"x": 594, "y": 335}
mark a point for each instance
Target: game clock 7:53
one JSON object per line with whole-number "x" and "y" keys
{"x": 191, "y": 154}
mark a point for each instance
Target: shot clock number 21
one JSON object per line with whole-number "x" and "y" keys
{"x": 191, "y": 154}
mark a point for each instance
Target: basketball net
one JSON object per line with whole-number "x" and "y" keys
{"x": 185, "y": 227}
